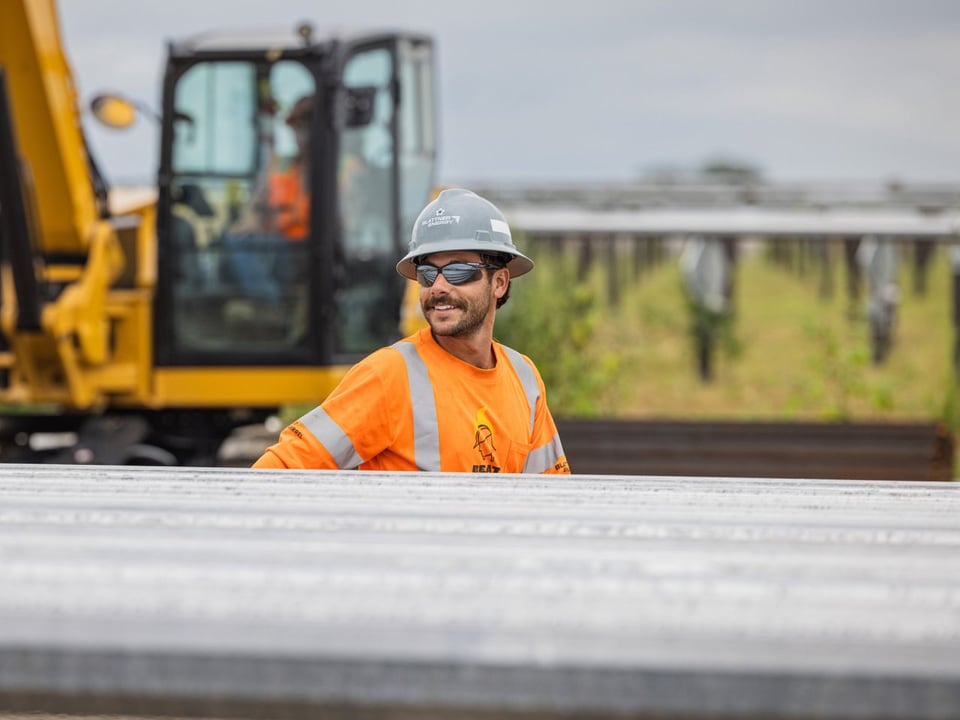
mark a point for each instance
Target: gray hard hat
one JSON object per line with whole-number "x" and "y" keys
{"x": 462, "y": 220}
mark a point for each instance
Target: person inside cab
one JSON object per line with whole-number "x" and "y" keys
{"x": 287, "y": 211}
{"x": 264, "y": 243}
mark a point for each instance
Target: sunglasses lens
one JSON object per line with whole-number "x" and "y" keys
{"x": 427, "y": 275}
{"x": 454, "y": 273}
{"x": 459, "y": 273}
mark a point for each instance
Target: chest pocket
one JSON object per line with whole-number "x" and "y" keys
{"x": 516, "y": 457}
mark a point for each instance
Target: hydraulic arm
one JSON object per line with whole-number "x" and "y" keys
{"x": 61, "y": 250}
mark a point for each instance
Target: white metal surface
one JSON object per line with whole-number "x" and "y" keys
{"x": 422, "y": 595}
{"x": 743, "y": 221}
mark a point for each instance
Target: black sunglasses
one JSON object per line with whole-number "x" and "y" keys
{"x": 456, "y": 273}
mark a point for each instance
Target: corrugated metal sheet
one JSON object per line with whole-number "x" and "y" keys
{"x": 736, "y": 222}
{"x": 240, "y": 593}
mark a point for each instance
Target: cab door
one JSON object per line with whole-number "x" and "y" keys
{"x": 288, "y": 188}
{"x": 385, "y": 172}
{"x": 238, "y": 225}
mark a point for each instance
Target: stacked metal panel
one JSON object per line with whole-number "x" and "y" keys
{"x": 241, "y": 593}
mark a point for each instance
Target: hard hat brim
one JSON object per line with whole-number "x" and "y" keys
{"x": 519, "y": 264}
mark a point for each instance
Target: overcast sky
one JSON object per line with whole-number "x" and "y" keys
{"x": 606, "y": 90}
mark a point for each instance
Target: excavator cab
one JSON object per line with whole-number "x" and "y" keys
{"x": 145, "y": 327}
{"x": 291, "y": 170}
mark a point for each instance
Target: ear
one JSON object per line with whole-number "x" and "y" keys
{"x": 501, "y": 281}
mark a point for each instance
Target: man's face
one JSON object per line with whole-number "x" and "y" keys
{"x": 457, "y": 310}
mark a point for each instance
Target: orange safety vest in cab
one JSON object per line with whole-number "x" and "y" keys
{"x": 289, "y": 202}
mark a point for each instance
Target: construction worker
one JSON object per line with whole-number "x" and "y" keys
{"x": 288, "y": 186}
{"x": 449, "y": 397}
{"x": 262, "y": 242}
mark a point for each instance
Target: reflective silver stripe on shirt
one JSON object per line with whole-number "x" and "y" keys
{"x": 527, "y": 378}
{"x": 333, "y": 438}
{"x": 426, "y": 435}
{"x": 543, "y": 458}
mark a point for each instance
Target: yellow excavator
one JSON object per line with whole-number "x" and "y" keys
{"x": 144, "y": 327}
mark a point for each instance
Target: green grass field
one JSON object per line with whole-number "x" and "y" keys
{"x": 789, "y": 353}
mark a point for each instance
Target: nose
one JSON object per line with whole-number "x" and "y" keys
{"x": 441, "y": 283}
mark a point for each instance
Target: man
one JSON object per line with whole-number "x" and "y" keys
{"x": 289, "y": 184}
{"x": 282, "y": 205}
{"x": 448, "y": 398}
{"x": 265, "y": 244}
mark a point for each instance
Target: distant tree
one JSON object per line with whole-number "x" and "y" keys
{"x": 731, "y": 170}
{"x": 719, "y": 169}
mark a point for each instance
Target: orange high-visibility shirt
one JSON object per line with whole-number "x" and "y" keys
{"x": 414, "y": 406}
{"x": 290, "y": 202}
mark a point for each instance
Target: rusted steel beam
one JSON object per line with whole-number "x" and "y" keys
{"x": 912, "y": 451}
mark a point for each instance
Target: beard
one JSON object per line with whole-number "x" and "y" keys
{"x": 473, "y": 310}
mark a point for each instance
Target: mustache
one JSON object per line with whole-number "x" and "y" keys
{"x": 441, "y": 300}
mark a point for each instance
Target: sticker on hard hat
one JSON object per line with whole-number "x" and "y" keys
{"x": 441, "y": 220}
{"x": 500, "y": 226}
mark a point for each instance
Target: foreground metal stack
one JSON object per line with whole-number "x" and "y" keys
{"x": 237, "y": 593}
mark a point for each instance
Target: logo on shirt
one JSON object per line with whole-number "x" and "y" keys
{"x": 483, "y": 443}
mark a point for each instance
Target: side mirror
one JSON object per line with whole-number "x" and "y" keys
{"x": 113, "y": 111}
{"x": 358, "y": 106}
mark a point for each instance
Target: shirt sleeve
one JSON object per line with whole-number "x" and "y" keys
{"x": 270, "y": 460}
{"x": 349, "y": 427}
{"x": 547, "y": 455}
{"x": 296, "y": 448}
{"x": 549, "y": 447}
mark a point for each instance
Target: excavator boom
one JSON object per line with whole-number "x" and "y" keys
{"x": 47, "y": 120}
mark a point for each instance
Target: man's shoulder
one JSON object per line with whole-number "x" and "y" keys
{"x": 515, "y": 356}
{"x": 416, "y": 344}
{"x": 385, "y": 359}
{"x": 383, "y": 368}
{"x": 394, "y": 360}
